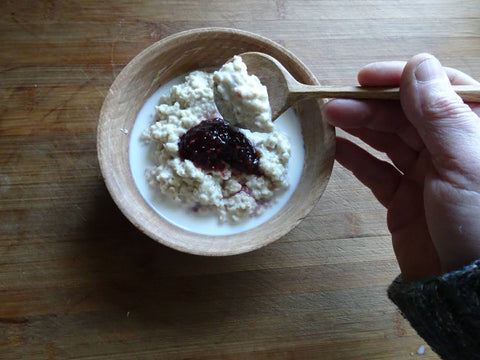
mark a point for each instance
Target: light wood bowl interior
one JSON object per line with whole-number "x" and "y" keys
{"x": 163, "y": 61}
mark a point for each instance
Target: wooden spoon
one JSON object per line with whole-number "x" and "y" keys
{"x": 284, "y": 90}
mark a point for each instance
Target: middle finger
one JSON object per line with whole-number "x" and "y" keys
{"x": 378, "y": 115}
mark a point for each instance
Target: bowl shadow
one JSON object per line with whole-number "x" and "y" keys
{"x": 154, "y": 285}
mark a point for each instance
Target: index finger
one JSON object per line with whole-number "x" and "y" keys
{"x": 389, "y": 73}
{"x": 383, "y": 73}
{"x": 377, "y": 115}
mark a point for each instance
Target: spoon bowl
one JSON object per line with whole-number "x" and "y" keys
{"x": 284, "y": 90}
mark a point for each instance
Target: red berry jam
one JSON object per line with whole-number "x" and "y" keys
{"x": 212, "y": 143}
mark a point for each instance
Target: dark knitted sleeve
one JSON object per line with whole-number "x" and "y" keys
{"x": 444, "y": 310}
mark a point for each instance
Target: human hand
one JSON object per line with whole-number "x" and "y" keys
{"x": 432, "y": 193}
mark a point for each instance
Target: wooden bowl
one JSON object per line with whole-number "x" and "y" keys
{"x": 179, "y": 54}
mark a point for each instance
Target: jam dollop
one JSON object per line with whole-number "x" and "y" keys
{"x": 212, "y": 143}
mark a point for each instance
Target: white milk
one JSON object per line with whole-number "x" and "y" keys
{"x": 141, "y": 159}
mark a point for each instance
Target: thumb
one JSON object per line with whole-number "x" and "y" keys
{"x": 448, "y": 127}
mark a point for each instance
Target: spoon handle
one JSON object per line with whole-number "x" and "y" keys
{"x": 469, "y": 93}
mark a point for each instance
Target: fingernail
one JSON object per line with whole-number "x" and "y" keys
{"x": 428, "y": 70}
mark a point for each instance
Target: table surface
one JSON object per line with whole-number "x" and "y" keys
{"x": 77, "y": 280}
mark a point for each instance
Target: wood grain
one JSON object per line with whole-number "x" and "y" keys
{"x": 78, "y": 281}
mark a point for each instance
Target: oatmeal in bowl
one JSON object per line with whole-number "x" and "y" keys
{"x": 195, "y": 181}
{"x": 204, "y": 162}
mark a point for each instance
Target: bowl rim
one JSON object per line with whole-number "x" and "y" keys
{"x": 124, "y": 208}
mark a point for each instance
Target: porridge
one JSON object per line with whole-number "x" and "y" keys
{"x": 207, "y": 164}
{"x": 243, "y": 98}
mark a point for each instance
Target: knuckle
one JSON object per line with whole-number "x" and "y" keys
{"x": 441, "y": 106}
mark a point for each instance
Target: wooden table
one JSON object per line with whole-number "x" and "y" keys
{"x": 77, "y": 280}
